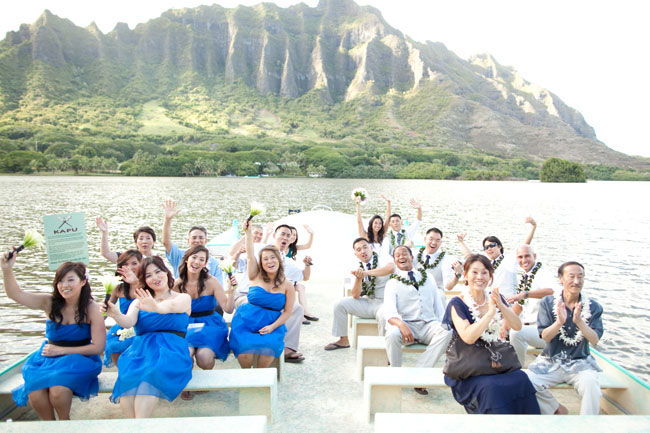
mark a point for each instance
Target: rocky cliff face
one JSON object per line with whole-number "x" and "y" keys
{"x": 339, "y": 49}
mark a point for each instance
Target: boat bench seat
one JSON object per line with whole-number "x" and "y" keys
{"x": 371, "y": 350}
{"x": 359, "y": 327}
{"x": 213, "y": 424}
{"x": 382, "y": 386}
{"x": 258, "y": 387}
{"x": 427, "y": 422}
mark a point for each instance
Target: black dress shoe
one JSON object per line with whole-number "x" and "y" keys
{"x": 421, "y": 391}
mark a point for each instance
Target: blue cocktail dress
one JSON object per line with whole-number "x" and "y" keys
{"x": 506, "y": 393}
{"x": 76, "y": 372}
{"x": 207, "y": 328}
{"x": 158, "y": 361}
{"x": 113, "y": 342}
{"x": 262, "y": 309}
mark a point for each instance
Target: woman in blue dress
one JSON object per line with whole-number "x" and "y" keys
{"x": 67, "y": 364}
{"x": 127, "y": 265}
{"x": 472, "y": 316}
{"x": 207, "y": 333}
{"x": 157, "y": 364}
{"x": 258, "y": 326}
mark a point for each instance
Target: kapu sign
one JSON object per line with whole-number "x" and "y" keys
{"x": 65, "y": 237}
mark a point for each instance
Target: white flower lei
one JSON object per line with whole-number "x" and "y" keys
{"x": 585, "y": 314}
{"x": 492, "y": 333}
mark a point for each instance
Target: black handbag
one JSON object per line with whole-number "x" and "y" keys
{"x": 478, "y": 359}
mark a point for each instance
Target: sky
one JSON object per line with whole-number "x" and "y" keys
{"x": 592, "y": 54}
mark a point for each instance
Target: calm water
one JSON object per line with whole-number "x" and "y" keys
{"x": 604, "y": 225}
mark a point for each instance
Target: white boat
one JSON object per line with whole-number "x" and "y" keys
{"x": 323, "y": 393}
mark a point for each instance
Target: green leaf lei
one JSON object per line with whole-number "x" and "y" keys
{"x": 498, "y": 262}
{"x": 417, "y": 285}
{"x": 524, "y": 286}
{"x": 368, "y": 288}
{"x": 430, "y": 265}
{"x": 392, "y": 238}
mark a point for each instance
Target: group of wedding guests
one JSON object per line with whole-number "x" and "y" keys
{"x": 508, "y": 302}
{"x": 167, "y": 316}
{"x": 175, "y": 310}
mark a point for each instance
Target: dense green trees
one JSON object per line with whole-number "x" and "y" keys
{"x": 560, "y": 170}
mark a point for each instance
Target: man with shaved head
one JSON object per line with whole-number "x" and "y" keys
{"x": 535, "y": 282}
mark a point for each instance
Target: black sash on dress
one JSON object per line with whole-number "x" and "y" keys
{"x": 202, "y": 313}
{"x": 180, "y": 334}
{"x": 70, "y": 343}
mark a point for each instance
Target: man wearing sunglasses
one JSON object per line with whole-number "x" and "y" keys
{"x": 505, "y": 265}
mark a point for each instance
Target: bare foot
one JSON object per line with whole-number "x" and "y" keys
{"x": 561, "y": 410}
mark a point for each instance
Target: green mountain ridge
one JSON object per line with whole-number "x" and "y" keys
{"x": 336, "y": 74}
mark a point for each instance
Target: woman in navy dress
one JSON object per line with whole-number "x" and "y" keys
{"x": 258, "y": 326}
{"x": 207, "y": 333}
{"x": 157, "y": 364}
{"x": 472, "y": 316}
{"x": 127, "y": 265}
{"x": 67, "y": 364}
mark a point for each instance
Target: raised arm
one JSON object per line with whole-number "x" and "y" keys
{"x": 362, "y": 231}
{"x": 104, "y": 248}
{"x": 127, "y": 320}
{"x": 252, "y": 265}
{"x": 307, "y": 244}
{"x": 181, "y": 303}
{"x": 531, "y": 233}
{"x": 355, "y": 292}
{"x": 267, "y": 232}
{"x": 388, "y": 209}
{"x": 416, "y": 204}
{"x": 36, "y": 301}
{"x": 236, "y": 248}
{"x": 382, "y": 271}
{"x": 169, "y": 208}
{"x": 463, "y": 247}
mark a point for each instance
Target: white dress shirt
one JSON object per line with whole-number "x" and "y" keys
{"x": 407, "y": 303}
{"x": 380, "y": 282}
{"x": 543, "y": 280}
{"x": 505, "y": 277}
{"x": 291, "y": 270}
{"x": 409, "y": 233}
{"x": 443, "y": 272}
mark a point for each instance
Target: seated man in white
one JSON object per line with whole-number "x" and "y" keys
{"x": 370, "y": 276}
{"x": 504, "y": 264}
{"x": 534, "y": 284}
{"x": 413, "y": 307}
{"x": 396, "y": 235}
{"x": 442, "y": 267}
{"x": 569, "y": 323}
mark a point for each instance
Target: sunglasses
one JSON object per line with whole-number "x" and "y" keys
{"x": 492, "y": 245}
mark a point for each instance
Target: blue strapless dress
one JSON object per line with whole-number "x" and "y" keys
{"x": 262, "y": 309}
{"x": 113, "y": 343}
{"x": 76, "y": 372}
{"x": 157, "y": 363}
{"x": 214, "y": 332}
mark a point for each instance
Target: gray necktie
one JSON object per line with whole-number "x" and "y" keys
{"x": 399, "y": 238}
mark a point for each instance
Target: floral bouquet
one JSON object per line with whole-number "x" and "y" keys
{"x": 32, "y": 239}
{"x": 125, "y": 333}
{"x": 110, "y": 282}
{"x": 228, "y": 269}
{"x": 361, "y": 193}
{"x": 256, "y": 209}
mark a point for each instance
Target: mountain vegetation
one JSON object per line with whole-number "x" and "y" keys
{"x": 327, "y": 91}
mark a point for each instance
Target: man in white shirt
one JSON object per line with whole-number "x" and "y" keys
{"x": 535, "y": 282}
{"x": 413, "y": 307}
{"x": 396, "y": 235}
{"x": 505, "y": 265}
{"x": 370, "y": 276}
{"x": 292, "y": 273}
{"x": 442, "y": 267}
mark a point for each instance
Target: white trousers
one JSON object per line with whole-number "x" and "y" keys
{"x": 364, "y": 308}
{"x": 293, "y": 323}
{"x": 529, "y": 335}
{"x": 432, "y": 334}
{"x": 584, "y": 382}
